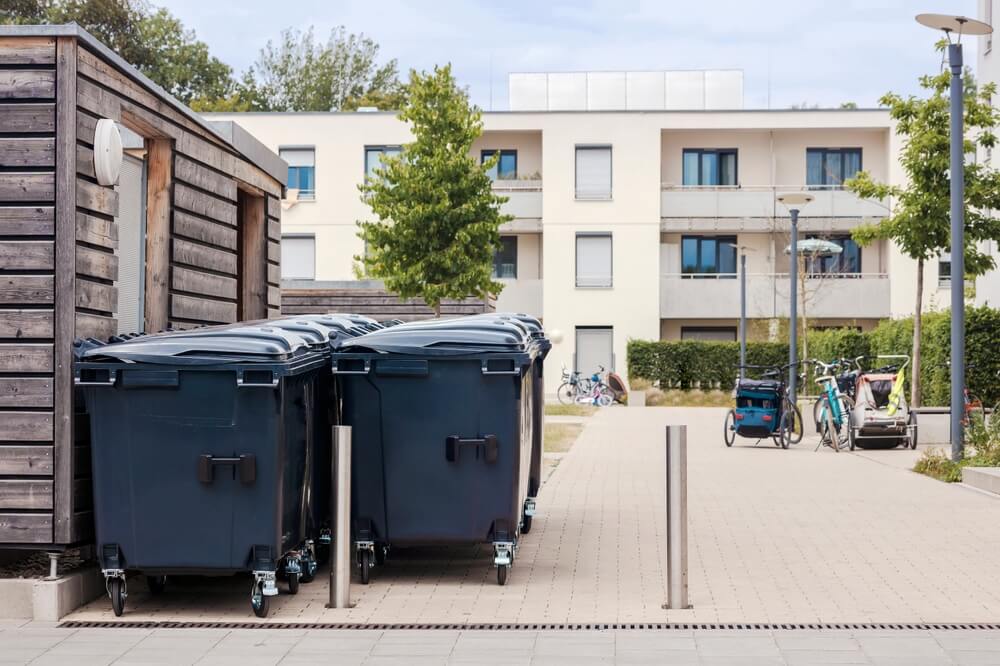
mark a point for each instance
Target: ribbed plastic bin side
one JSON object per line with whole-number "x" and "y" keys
{"x": 202, "y": 452}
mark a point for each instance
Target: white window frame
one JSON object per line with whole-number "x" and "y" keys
{"x": 576, "y": 169}
{"x": 304, "y": 195}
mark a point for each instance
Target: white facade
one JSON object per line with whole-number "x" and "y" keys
{"x": 652, "y": 211}
{"x": 988, "y": 71}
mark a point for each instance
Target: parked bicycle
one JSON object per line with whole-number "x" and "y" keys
{"x": 579, "y": 390}
{"x": 832, "y": 409}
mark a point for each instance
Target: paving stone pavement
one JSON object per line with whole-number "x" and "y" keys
{"x": 44, "y": 644}
{"x": 775, "y": 537}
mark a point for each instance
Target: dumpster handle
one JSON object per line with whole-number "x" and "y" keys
{"x": 488, "y": 443}
{"x": 241, "y": 381}
{"x": 110, "y": 381}
{"x": 246, "y": 464}
{"x": 487, "y": 371}
{"x": 337, "y": 371}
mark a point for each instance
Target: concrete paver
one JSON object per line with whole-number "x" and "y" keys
{"x": 775, "y": 536}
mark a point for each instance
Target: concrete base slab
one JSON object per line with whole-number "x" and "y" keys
{"x": 982, "y": 478}
{"x": 48, "y": 600}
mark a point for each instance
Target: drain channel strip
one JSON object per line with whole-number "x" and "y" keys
{"x": 638, "y": 626}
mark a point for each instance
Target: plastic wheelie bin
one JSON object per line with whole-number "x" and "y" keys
{"x": 441, "y": 418}
{"x": 201, "y": 445}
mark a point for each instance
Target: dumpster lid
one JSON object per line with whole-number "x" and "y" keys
{"x": 348, "y": 325}
{"x": 227, "y": 344}
{"x": 439, "y": 340}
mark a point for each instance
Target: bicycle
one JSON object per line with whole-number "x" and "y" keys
{"x": 846, "y": 382}
{"x": 573, "y": 384}
{"x": 834, "y": 408}
{"x": 598, "y": 394}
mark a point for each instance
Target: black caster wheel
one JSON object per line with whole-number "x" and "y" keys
{"x": 293, "y": 583}
{"x": 308, "y": 570}
{"x": 380, "y": 554}
{"x": 526, "y": 524}
{"x": 260, "y": 604}
{"x": 156, "y": 584}
{"x": 116, "y": 589}
{"x": 503, "y": 570}
{"x": 365, "y": 561}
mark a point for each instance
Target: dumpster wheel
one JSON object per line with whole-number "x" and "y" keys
{"x": 116, "y": 590}
{"x": 365, "y": 562}
{"x": 260, "y": 603}
{"x": 502, "y": 571}
{"x": 293, "y": 583}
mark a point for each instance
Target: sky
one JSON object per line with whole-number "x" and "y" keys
{"x": 815, "y": 52}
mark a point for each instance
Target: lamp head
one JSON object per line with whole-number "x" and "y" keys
{"x": 962, "y": 25}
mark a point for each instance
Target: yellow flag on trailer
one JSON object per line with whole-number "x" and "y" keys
{"x": 896, "y": 397}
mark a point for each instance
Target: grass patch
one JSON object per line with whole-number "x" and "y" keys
{"x": 559, "y": 409}
{"x": 559, "y": 437}
{"x": 938, "y": 466}
{"x": 679, "y": 398}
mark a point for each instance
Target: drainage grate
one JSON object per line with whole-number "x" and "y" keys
{"x": 654, "y": 626}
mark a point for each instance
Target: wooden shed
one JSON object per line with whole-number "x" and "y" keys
{"x": 188, "y": 235}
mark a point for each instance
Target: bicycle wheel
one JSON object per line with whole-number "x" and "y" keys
{"x": 730, "y": 427}
{"x": 565, "y": 393}
{"x": 605, "y": 398}
{"x": 818, "y": 413}
{"x": 795, "y": 431}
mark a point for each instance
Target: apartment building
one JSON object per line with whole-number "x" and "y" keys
{"x": 988, "y": 71}
{"x": 629, "y": 222}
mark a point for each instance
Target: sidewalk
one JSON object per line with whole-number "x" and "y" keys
{"x": 47, "y": 646}
{"x": 775, "y": 537}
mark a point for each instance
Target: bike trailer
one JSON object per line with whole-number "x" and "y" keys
{"x": 442, "y": 427}
{"x": 201, "y": 448}
{"x": 881, "y": 413}
{"x": 758, "y": 403}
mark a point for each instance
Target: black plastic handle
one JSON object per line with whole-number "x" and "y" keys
{"x": 245, "y": 464}
{"x": 488, "y": 444}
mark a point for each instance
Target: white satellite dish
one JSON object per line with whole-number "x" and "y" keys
{"x": 107, "y": 152}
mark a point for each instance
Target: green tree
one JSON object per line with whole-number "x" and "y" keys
{"x": 301, "y": 74}
{"x": 438, "y": 218}
{"x": 154, "y": 42}
{"x": 920, "y": 220}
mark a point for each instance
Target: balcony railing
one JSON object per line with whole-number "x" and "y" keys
{"x": 521, "y": 296}
{"x": 685, "y": 201}
{"x": 827, "y": 296}
{"x": 524, "y": 197}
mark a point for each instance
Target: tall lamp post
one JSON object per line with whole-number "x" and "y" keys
{"x": 957, "y": 25}
{"x": 794, "y": 201}
{"x": 743, "y": 304}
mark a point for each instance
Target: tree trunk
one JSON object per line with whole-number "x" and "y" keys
{"x": 437, "y": 310}
{"x": 917, "y": 328}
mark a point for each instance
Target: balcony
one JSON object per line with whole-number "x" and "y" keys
{"x": 680, "y": 202}
{"x": 521, "y": 296}
{"x": 839, "y": 296}
{"x": 524, "y": 198}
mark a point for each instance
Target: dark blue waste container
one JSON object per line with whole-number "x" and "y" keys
{"x": 442, "y": 430}
{"x": 201, "y": 449}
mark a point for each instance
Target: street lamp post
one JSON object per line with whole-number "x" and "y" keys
{"x": 958, "y": 25}
{"x": 794, "y": 200}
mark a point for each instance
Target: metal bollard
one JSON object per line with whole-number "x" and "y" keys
{"x": 677, "y": 533}
{"x": 340, "y": 511}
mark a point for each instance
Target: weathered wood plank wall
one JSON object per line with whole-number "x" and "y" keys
{"x": 373, "y": 302}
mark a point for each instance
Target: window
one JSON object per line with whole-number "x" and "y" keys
{"x": 505, "y": 259}
{"x": 848, "y": 261}
{"x": 373, "y": 157}
{"x": 709, "y": 333}
{"x": 298, "y": 257}
{"x": 506, "y": 166}
{"x": 708, "y": 255}
{"x": 593, "y": 172}
{"x": 709, "y": 167}
{"x": 830, "y": 167}
{"x": 944, "y": 269}
{"x": 595, "y": 349}
{"x": 593, "y": 260}
{"x": 301, "y": 170}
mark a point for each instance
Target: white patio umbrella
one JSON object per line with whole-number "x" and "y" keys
{"x": 816, "y": 247}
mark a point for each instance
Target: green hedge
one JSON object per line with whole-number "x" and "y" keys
{"x": 696, "y": 364}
